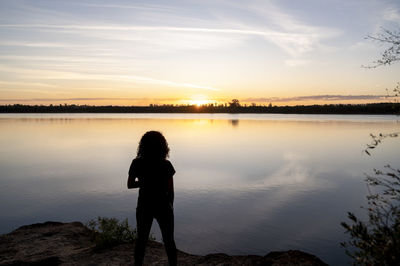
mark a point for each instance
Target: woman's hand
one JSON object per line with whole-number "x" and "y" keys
{"x": 133, "y": 182}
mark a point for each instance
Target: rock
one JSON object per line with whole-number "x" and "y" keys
{"x": 292, "y": 257}
{"x": 54, "y": 243}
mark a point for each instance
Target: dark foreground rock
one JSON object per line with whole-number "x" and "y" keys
{"x": 54, "y": 243}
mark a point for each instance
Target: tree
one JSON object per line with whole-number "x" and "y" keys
{"x": 234, "y": 103}
{"x": 391, "y": 54}
{"x": 377, "y": 241}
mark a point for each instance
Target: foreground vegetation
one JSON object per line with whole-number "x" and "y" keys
{"x": 108, "y": 232}
{"x": 377, "y": 240}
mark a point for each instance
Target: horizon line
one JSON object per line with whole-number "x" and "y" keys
{"x": 150, "y": 100}
{"x": 214, "y": 105}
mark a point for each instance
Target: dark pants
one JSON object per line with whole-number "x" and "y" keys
{"x": 165, "y": 219}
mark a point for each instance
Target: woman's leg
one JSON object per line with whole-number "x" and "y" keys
{"x": 165, "y": 219}
{"x": 144, "y": 219}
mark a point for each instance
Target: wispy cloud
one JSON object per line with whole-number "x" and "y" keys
{"x": 142, "y": 28}
{"x": 316, "y": 98}
{"x": 64, "y": 75}
{"x": 89, "y": 99}
{"x": 40, "y": 44}
{"x": 153, "y": 38}
{"x": 294, "y": 43}
{"x": 145, "y": 7}
{"x": 26, "y": 84}
{"x": 118, "y": 6}
{"x": 288, "y": 32}
{"x": 271, "y": 23}
{"x": 391, "y": 14}
{"x": 80, "y": 59}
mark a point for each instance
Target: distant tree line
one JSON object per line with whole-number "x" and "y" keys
{"x": 232, "y": 107}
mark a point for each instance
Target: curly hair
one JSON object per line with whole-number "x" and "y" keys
{"x": 153, "y": 145}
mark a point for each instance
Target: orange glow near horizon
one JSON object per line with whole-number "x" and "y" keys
{"x": 195, "y": 101}
{"x": 199, "y": 100}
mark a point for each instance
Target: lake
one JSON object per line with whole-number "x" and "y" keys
{"x": 244, "y": 184}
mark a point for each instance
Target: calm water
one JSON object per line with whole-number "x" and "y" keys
{"x": 244, "y": 183}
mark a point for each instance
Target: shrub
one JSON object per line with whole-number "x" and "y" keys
{"x": 377, "y": 241}
{"x": 108, "y": 232}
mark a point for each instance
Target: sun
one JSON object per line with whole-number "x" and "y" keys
{"x": 199, "y": 100}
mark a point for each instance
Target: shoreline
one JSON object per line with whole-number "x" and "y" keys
{"x": 340, "y": 109}
{"x": 56, "y": 243}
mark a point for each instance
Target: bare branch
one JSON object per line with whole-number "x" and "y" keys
{"x": 392, "y": 53}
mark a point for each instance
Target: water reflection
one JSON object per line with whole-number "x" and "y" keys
{"x": 234, "y": 122}
{"x": 269, "y": 184}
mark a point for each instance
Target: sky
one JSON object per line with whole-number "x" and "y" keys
{"x": 190, "y": 52}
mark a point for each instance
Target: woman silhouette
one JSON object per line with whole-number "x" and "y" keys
{"x": 152, "y": 173}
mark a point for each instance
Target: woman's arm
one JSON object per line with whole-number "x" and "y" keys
{"x": 133, "y": 181}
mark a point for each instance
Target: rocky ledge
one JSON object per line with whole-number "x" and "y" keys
{"x": 54, "y": 243}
